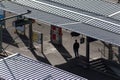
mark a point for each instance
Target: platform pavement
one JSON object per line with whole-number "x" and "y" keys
{"x": 55, "y": 55}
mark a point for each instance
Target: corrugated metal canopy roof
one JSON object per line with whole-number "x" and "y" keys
{"x": 36, "y": 14}
{"x": 71, "y": 15}
{"x": 56, "y": 15}
{"x": 54, "y": 10}
{"x": 96, "y": 6}
{"x": 19, "y": 67}
{"x": 94, "y": 32}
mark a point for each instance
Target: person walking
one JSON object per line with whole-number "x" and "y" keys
{"x": 76, "y": 48}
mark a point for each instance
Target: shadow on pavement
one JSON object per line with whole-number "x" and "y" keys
{"x": 25, "y": 40}
{"x": 6, "y": 38}
{"x": 73, "y": 67}
{"x": 39, "y": 58}
{"x": 62, "y": 51}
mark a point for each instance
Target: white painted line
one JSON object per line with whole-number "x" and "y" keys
{"x": 114, "y": 14}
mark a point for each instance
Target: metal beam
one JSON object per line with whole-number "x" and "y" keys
{"x": 30, "y": 36}
{"x": 28, "y": 12}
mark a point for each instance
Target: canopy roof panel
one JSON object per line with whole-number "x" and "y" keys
{"x": 19, "y": 67}
{"x": 93, "y": 32}
{"x": 95, "y": 6}
{"x": 105, "y": 25}
{"x": 54, "y": 10}
{"x": 76, "y": 16}
{"x": 59, "y": 16}
{"x": 36, "y": 14}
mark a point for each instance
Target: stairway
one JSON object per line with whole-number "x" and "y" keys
{"x": 101, "y": 66}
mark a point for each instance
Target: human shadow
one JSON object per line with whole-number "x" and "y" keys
{"x": 25, "y": 40}
{"x": 6, "y": 38}
{"x": 62, "y": 50}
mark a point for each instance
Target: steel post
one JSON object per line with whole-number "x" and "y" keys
{"x": 87, "y": 51}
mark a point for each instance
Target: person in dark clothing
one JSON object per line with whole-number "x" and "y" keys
{"x": 76, "y": 48}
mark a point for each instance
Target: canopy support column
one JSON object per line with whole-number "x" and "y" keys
{"x": 119, "y": 54}
{"x": 87, "y": 51}
{"x": 30, "y": 36}
{"x": 110, "y": 52}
